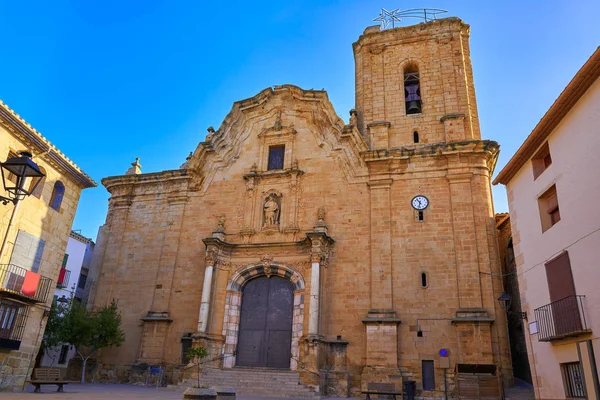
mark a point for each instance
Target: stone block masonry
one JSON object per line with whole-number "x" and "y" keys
{"x": 336, "y": 221}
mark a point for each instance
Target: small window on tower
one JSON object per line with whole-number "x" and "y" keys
{"x": 423, "y": 279}
{"x": 276, "y": 154}
{"x": 416, "y": 136}
{"x": 412, "y": 90}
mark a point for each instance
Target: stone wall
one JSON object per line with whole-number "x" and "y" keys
{"x": 164, "y": 229}
{"x": 34, "y": 216}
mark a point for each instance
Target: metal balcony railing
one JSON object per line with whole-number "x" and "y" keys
{"x": 13, "y": 317}
{"x": 24, "y": 284}
{"x": 562, "y": 318}
{"x": 63, "y": 278}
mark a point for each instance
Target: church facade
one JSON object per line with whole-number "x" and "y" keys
{"x": 353, "y": 253}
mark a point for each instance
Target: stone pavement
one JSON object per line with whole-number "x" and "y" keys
{"x": 108, "y": 392}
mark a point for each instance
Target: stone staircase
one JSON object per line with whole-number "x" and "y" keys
{"x": 256, "y": 382}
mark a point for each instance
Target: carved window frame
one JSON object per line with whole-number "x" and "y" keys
{"x": 277, "y": 136}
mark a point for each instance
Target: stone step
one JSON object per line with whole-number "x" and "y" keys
{"x": 262, "y": 382}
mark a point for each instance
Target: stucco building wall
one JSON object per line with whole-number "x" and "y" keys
{"x": 574, "y": 144}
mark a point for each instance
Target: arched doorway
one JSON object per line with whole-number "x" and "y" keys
{"x": 266, "y": 317}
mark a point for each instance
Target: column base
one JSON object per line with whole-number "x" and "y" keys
{"x": 382, "y": 338}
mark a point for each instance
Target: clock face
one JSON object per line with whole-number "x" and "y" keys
{"x": 419, "y": 202}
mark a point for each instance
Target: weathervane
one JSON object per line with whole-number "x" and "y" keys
{"x": 387, "y": 18}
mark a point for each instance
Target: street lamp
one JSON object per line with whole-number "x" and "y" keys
{"x": 15, "y": 172}
{"x": 505, "y": 302}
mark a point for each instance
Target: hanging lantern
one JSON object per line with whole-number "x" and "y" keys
{"x": 20, "y": 177}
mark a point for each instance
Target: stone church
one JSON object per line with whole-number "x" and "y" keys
{"x": 351, "y": 253}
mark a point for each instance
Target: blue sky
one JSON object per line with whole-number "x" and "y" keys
{"x": 108, "y": 81}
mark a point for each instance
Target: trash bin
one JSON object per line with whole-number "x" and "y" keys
{"x": 410, "y": 387}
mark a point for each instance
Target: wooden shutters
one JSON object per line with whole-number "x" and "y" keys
{"x": 564, "y": 305}
{"x": 560, "y": 277}
{"x": 27, "y": 252}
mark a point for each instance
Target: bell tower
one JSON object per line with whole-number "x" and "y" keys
{"x": 414, "y": 84}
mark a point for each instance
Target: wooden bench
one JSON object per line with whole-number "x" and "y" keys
{"x": 381, "y": 389}
{"x": 47, "y": 376}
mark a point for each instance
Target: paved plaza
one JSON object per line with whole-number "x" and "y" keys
{"x": 109, "y": 392}
{"x": 120, "y": 392}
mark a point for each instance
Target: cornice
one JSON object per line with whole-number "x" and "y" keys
{"x": 581, "y": 82}
{"x": 51, "y": 151}
{"x": 433, "y": 150}
{"x": 151, "y": 178}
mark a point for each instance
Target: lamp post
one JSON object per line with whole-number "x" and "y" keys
{"x": 505, "y": 301}
{"x": 15, "y": 172}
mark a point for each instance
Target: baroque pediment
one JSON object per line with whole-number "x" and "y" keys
{"x": 276, "y": 114}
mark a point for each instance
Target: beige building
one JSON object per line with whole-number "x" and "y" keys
{"x": 352, "y": 253}
{"x": 33, "y": 236}
{"x": 553, "y": 194}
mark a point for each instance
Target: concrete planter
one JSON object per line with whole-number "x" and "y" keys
{"x": 202, "y": 394}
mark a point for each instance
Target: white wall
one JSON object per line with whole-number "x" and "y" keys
{"x": 76, "y": 252}
{"x": 575, "y": 151}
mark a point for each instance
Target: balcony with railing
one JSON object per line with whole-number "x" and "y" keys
{"x": 23, "y": 284}
{"x": 63, "y": 278}
{"x": 562, "y": 318}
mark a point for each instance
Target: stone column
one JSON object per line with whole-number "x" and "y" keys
{"x": 381, "y": 323}
{"x": 381, "y": 244}
{"x": 465, "y": 244}
{"x": 313, "y": 314}
{"x": 206, "y": 292}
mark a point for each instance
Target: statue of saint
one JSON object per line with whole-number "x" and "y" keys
{"x": 271, "y": 210}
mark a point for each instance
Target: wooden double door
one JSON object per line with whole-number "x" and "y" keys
{"x": 265, "y": 331}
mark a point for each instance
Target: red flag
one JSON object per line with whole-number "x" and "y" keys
{"x": 30, "y": 283}
{"x": 61, "y": 276}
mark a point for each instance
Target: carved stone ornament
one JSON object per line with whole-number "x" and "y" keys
{"x": 321, "y": 214}
{"x": 221, "y": 223}
{"x": 271, "y": 212}
{"x": 266, "y": 262}
{"x": 210, "y": 258}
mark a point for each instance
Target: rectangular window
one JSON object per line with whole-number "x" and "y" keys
{"x": 541, "y": 160}
{"x": 428, "y": 375}
{"x": 549, "y": 210}
{"x": 64, "y": 350}
{"x": 13, "y": 317}
{"x": 82, "y": 281}
{"x": 27, "y": 251}
{"x": 276, "y": 154}
{"x": 572, "y": 374}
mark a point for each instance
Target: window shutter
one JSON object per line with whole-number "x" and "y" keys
{"x": 560, "y": 277}
{"x": 27, "y": 252}
{"x": 552, "y": 203}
